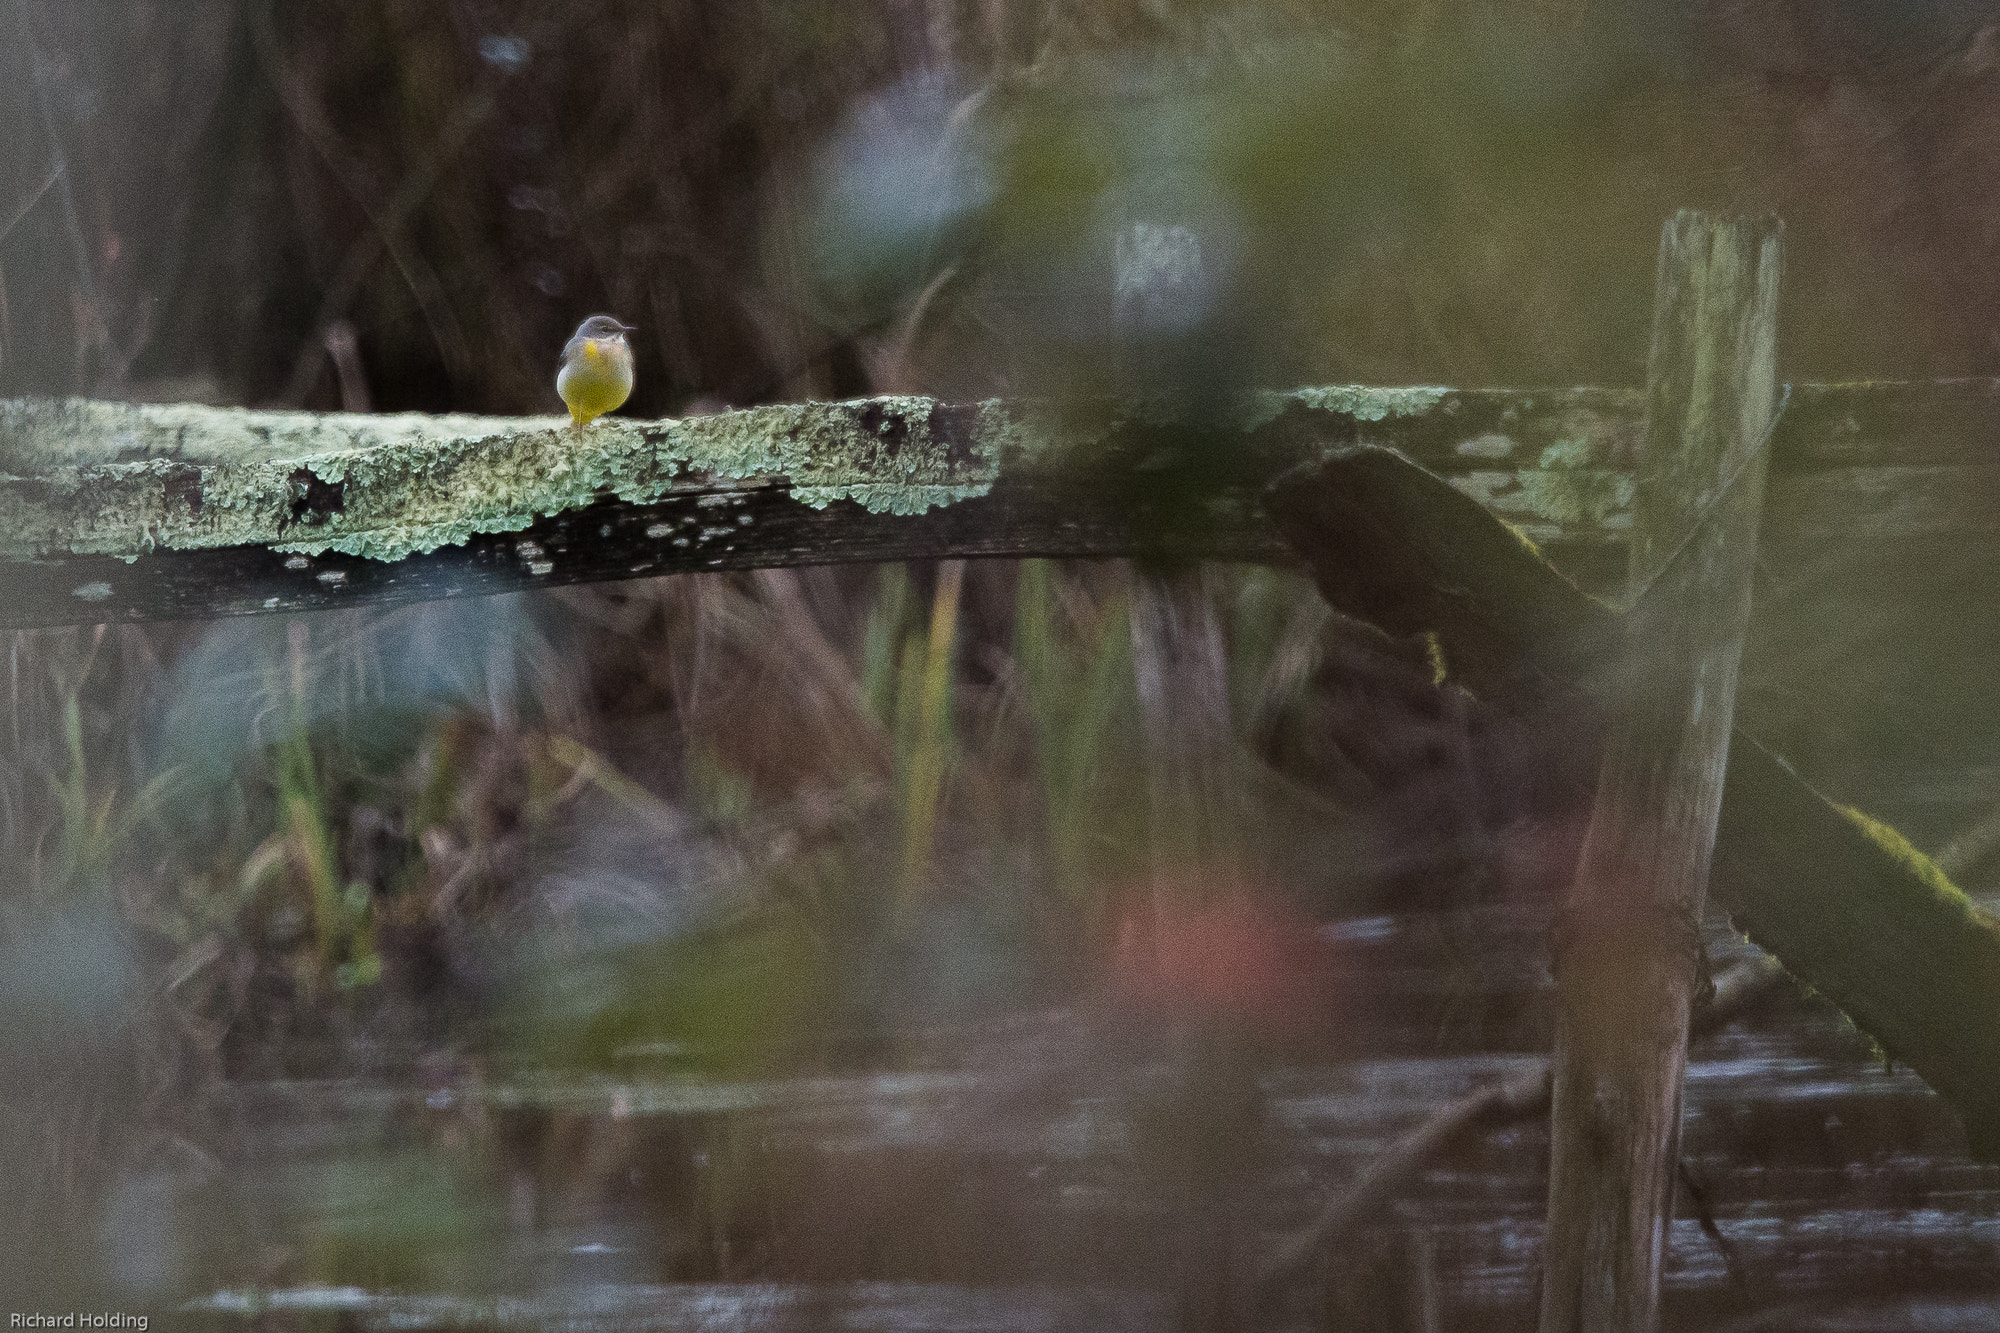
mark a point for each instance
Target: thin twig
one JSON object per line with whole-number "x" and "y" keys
{"x": 44, "y": 102}
{"x": 891, "y": 365}
{"x": 409, "y": 196}
{"x": 93, "y": 336}
{"x": 345, "y": 350}
{"x": 325, "y": 140}
{"x": 1643, "y": 586}
{"x": 1704, "y": 1216}
{"x": 1523, "y": 1096}
{"x": 386, "y": 224}
{"x": 34, "y": 197}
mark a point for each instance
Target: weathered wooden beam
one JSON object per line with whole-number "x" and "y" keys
{"x": 111, "y": 511}
{"x": 1629, "y": 937}
{"x": 1847, "y": 906}
{"x": 123, "y": 511}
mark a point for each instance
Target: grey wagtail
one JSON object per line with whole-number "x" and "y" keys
{"x": 596, "y": 371}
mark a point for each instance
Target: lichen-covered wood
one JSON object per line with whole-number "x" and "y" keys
{"x": 1625, "y": 954}
{"x": 128, "y": 511}
{"x": 116, "y": 510}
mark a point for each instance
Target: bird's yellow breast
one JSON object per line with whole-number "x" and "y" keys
{"x": 595, "y": 378}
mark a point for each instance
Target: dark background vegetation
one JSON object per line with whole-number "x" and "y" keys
{"x": 771, "y": 821}
{"x": 1411, "y": 191}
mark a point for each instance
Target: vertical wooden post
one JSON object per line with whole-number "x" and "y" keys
{"x": 1627, "y": 942}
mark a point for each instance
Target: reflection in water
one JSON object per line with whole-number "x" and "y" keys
{"x": 1030, "y": 1173}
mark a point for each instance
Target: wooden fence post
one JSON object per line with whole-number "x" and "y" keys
{"x": 1627, "y": 941}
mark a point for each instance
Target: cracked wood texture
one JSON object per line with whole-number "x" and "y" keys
{"x": 1628, "y": 939}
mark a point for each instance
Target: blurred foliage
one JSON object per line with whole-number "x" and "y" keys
{"x": 755, "y": 824}
{"x": 1072, "y": 687}
{"x": 811, "y": 197}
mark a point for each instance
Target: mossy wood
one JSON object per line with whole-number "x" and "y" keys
{"x": 112, "y": 511}
{"x": 189, "y": 511}
{"x": 1845, "y": 904}
{"x": 1629, "y": 935}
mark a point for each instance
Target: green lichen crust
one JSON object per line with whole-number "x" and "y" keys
{"x": 81, "y": 477}
{"x": 1364, "y": 403}
{"x": 85, "y": 478}
{"x": 95, "y": 478}
{"x": 1950, "y": 898}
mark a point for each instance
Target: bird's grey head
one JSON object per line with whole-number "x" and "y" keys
{"x": 603, "y": 326}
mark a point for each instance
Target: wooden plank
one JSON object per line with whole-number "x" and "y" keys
{"x": 116, "y": 511}
{"x": 125, "y": 511}
{"x": 1626, "y": 947}
{"x": 1886, "y": 422}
